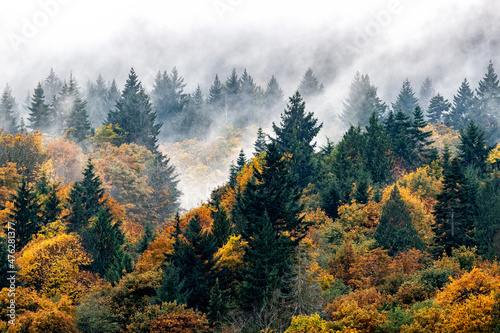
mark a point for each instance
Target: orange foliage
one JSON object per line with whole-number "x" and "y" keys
{"x": 350, "y": 315}
{"x": 187, "y": 322}
{"x": 8, "y": 182}
{"x": 157, "y": 251}
{"x": 370, "y": 269}
{"x": 204, "y": 213}
{"x": 67, "y": 160}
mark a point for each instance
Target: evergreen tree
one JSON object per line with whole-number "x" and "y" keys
{"x": 487, "y": 223}
{"x": 310, "y": 86}
{"x": 78, "y": 124}
{"x": 395, "y": 231}
{"x": 379, "y": 159}
{"x": 406, "y": 100}
{"x": 361, "y": 102}
{"x": 51, "y": 205}
{"x": 135, "y": 116}
{"x": 487, "y": 112}
{"x": 8, "y": 112}
{"x": 438, "y": 109}
{"x": 52, "y": 85}
{"x": 221, "y": 227}
{"x": 455, "y": 211}
{"x": 241, "y": 161}
{"x": 216, "y": 96}
{"x": 194, "y": 257}
{"x": 172, "y": 287}
{"x": 25, "y": 214}
{"x": 294, "y": 135}
{"x": 219, "y": 304}
{"x": 260, "y": 143}
{"x": 399, "y": 127}
{"x": 39, "y": 116}
{"x": 426, "y": 92}
{"x": 112, "y": 97}
{"x": 148, "y": 236}
{"x": 4, "y": 264}
{"x": 267, "y": 258}
{"x": 420, "y": 137}
{"x": 97, "y": 101}
{"x": 274, "y": 94}
{"x": 106, "y": 241}
{"x": 472, "y": 147}
{"x": 463, "y": 107}
{"x": 232, "y": 91}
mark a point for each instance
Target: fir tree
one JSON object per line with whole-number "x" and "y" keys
{"x": 8, "y": 112}
{"x": 379, "y": 160}
{"x": 219, "y": 305}
{"x": 472, "y": 147}
{"x": 487, "y": 114}
{"x": 79, "y": 127}
{"x": 221, "y": 227}
{"x": 97, "y": 101}
{"x": 438, "y": 109}
{"x": 52, "y": 85}
{"x": 406, "y": 100}
{"x": 216, "y": 95}
{"x": 463, "y": 107}
{"x": 426, "y": 92}
{"x": 39, "y": 116}
{"x": 395, "y": 231}
{"x": 25, "y": 214}
{"x": 487, "y": 223}
{"x": 193, "y": 256}
{"x": 172, "y": 287}
{"x": 135, "y": 116}
{"x": 241, "y": 161}
{"x": 310, "y": 86}
{"x": 455, "y": 211}
{"x": 260, "y": 143}
{"x": 148, "y": 236}
{"x": 274, "y": 94}
{"x": 361, "y": 102}
{"x": 232, "y": 90}
{"x": 420, "y": 137}
{"x": 52, "y": 205}
{"x": 294, "y": 135}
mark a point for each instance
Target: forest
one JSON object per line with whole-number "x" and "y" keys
{"x": 394, "y": 227}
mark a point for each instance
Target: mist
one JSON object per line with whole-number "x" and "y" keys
{"x": 388, "y": 40}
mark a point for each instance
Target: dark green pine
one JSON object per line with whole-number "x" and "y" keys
{"x": 379, "y": 160}
{"x": 472, "y": 148}
{"x": 421, "y": 137}
{"x": 487, "y": 112}
{"x": 148, "y": 236}
{"x": 52, "y": 206}
{"x": 395, "y": 231}
{"x": 310, "y": 85}
{"x": 221, "y": 227}
{"x": 438, "y": 108}
{"x": 464, "y": 104}
{"x": 39, "y": 116}
{"x": 172, "y": 287}
{"x": 406, "y": 100}
{"x": 8, "y": 107}
{"x": 260, "y": 143}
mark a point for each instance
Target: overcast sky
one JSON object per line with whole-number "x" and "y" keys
{"x": 389, "y": 40}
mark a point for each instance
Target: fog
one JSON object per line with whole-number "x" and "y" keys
{"x": 388, "y": 40}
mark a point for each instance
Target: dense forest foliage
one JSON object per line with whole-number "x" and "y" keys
{"x": 394, "y": 228}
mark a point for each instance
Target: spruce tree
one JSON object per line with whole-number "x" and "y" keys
{"x": 487, "y": 114}
{"x": 310, "y": 85}
{"x": 455, "y": 211}
{"x": 406, "y": 100}
{"x": 420, "y": 137}
{"x": 426, "y": 92}
{"x": 8, "y": 112}
{"x": 78, "y": 124}
{"x": 52, "y": 85}
{"x": 216, "y": 96}
{"x": 260, "y": 143}
{"x": 98, "y": 104}
{"x": 472, "y": 147}
{"x": 148, "y": 236}
{"x": 438, "y": 109}
{"x": 25, "y": 214}
{"x": 52, "y": 205}
{"x": 219, "y": 304}
{"x": 487, "y": 223}
{"x": 221, "y": 227}
{"x": 379, "y": 159}
{"x": 361, "y": 102}
{"x": 395, "y": 231}
{"x": 135, "y": 116}
{"x": 295, "y": 135}
{"x": 274, "y": 94}
{"x": 172, "y": 287}
{"x": 193, "y": 255}
{"x": 39, "y": 116}
{"x": 464, "y": 104}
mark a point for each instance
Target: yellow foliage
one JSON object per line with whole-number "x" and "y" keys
{"x": 422, "y": 183}
{"x": 67, "y": 160}
{"x": 364, "y": 319}
{"x": 494, "y": 157}
{"x": 308, "y": 324}
{"x": 157, "y": 251}
{"x": 443, "y": 135}
{"x": 359, "y": 220}
{"x": 231, "y": 254}
{"x": 8, "y": 182}
{"x": 52, "y": 265}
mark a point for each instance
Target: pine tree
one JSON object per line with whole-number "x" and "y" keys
{"x": 25, "y": 214}
{"x": 241, "y": 161}
{"x": 395, "y": 231}
{"x": 52, "y": 205}
{"x": 361, "y": 102}
{"x": 39, "y": 117}
{"x": 420, "y": 137}
{"x": 379, "y": 159}
{"x": 487, "y": 114}
{"x": 487, "y": 223}
{"x": 426, "y": 92}
{"x": 52, "y": 85}
{"x": 216, "y": 96}
{"x": 193, "y": 256}
{"x": 97, "y": 101}
{"x": 8, "y": 112}
{"x": 472, "y": 147}
{"x": 221, "y": 227}
{"x": 148, "y": 236}
{"x": 260, "y": 143}
{"x": 294, "y": 135}
{"x": 406, "y": 100}
{"x": 78, "y": 124}
{"x": 310, "y": 86}
{"x": 106, "y": 242}
{"x": 232, "y": 90}
{"x": 399, "y": 127}
{"x": 135, "y": 116}
{"x": 463, "y": 107}
{"x": 219, "y": 304}
{"x": 172, "y": 287}
{"x": 438, "y": 109}
{"x": 455, "y": 211}
{"x": 274, "y": 94}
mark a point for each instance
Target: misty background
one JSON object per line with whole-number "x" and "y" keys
{"x": 388, "y": 40}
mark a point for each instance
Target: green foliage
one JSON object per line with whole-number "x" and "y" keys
{"x": 438, "y": 108}
{"x": 40, "y": 116}
{"x": 148, "y": 236}
{"x": 379, "y": 159}
{"x": 310, "y": 86}
{"x": 473, "y": 150}
{"x": 221, "y": 227}
{"x": 172, "y": 287}
{"x": 395, "y": 231}
{"x": 8, "y": 112}
{"x": 406, "y": 101}
{"x": 463, "y": 107}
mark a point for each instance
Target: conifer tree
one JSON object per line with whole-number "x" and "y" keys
{"x": 472, "y": 147}
{"x": 193, "y": 256}
{"x": 8, "y": 111}
{"x": 172, "y": 287}
{"x": 464, "y": 104}
{"x": 395, "y": 231}
{"x": 52, "y": 85}
{"x": 216, "y": 95}
{"x": 78, "y": 124}
{"x": 487, "y": 114}
{"x": 219, "y": 304}
{"x": 25, "y": 214}
{"x": 52, "y": 205}
{"x": 221, "y": 227}
{"x": 260, "y": 143}
{"x": 420, "y": 137}
{"x": 438, "y": 109}
{"x": 97, "y": 101}
{"x": 426, "y": 92}
{"x": 148, "y": 236}
{"x": 295, "y": 135}
{"x": 455, "y": 211}
{"x": 310, "y": 85}
{"x": 4, "y": 264}
{"x": 135, "y": 116}
{"x": 39, "y": 116}
{"x": 379, "y": 159}
{"x": 406, "y": 100}
{"x": 241, "y": 161}
{"x": 487, "y": 223}
{"x": 361, "y": 102}
{"x": 274, "y": 94}
{"x": 232, "y": 91}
